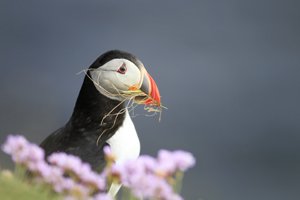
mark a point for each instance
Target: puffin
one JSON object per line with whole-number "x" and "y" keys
{"x": 100, "y": 116}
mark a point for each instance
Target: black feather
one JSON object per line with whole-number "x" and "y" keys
{"x": 79, "y": 136}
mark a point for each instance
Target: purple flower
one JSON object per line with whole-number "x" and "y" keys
{"x": 130, "y": 171}
{"x": 102, "y": 196}
{"x": 54, "y": 177}
{"x": 107, "y": 150}
{"x": 169, "y": 162}
{"x": 109, "y": 156}
{"x": 149, "y": 186}
{"x": 139, "y": 175}
{"x": 80, "y": 191}
{"x": 22, "y": 151}
{"x": 42, "y": 168}
{"x": 166, "y": 165}
{"x": 183, "y": 160}
{"x": 66, "y": 162}
{"x": 147, "y": 162}
{"x": 36, "y": 153}
{"x": 69, "y": 197}
{"x": 14, "y": 143}
{"x": 116, "y": 172}
{"x": 68, "y": 184}
{"x": 92, "y": 179}
{"x": 146, "y": 177}
{"x": 74, "y": 166}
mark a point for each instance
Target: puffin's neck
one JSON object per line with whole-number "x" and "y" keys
{"x": 91, "y": 107}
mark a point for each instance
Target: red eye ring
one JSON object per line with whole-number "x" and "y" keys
{"x": 122, "y": 69}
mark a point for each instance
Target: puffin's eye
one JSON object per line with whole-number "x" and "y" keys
{"x": 122, "y": 69}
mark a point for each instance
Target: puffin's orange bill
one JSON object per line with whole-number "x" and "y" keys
{"x": 150, "y": 89}
{"x": 154, "y": 96}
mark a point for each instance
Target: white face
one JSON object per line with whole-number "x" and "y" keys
{"x": 116, "y": 77}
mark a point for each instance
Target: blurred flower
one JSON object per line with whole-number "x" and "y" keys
{"x": 72, "y": 165}
{"x": 92, "y": 179}
{"x": 148, "y": 163}
{"x": 14, "y": 143}
{"x": 67, "y": 162}
{"x": 169, "y": 162}
{"x": 166, "y": 165}
{"x": 102, "y": 196}
{"x": 146, "y": 177}
{"x": 80, "y": 191}
{"x": 183, "y": 160}
{"x": 109, "y": 156}
{"x": 22, "y": 151}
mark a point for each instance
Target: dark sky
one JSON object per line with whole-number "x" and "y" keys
{"x": 228, "y": 71}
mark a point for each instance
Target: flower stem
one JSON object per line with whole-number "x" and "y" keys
{"x": 178, "y": 181}
{"x": 20, "y": 171}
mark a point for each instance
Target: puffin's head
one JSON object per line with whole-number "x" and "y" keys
{"x": 120, "y": 75}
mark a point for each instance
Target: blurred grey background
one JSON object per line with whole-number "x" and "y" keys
{"x": 228, "y": 71}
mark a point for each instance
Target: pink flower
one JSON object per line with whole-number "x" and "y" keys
{"x": 66, "y": 162}
{"x": 183, "y": 160}
{"x": 22, "y": 151}
{"x": 107, "y": 150}
{"x": 169, "y": 162}
{"x": 102, "y": 196}
{"x": 14, "y": 143}
{"x": 146, "y": 177}
{"x": 73, "y": 165}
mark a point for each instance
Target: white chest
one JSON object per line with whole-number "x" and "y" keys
{"x": 125, "y": 143}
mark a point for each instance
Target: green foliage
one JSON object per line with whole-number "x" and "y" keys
{"x": 13, "y": 188}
